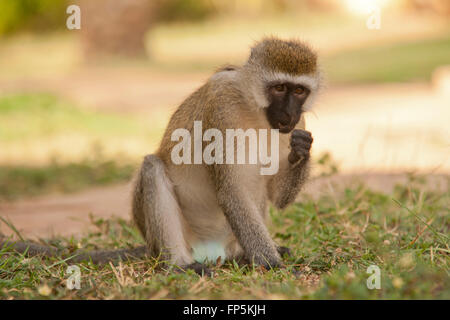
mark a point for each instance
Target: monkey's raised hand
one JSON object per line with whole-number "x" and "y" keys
{"x": 301, "y": 141}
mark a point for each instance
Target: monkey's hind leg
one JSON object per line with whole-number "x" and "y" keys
{"x": 157, "y": 214}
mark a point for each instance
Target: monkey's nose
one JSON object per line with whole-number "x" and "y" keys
{"x": 284, "y": 127}
{"x": 284, "y": 121}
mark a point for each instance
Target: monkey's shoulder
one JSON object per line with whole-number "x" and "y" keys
{"x": 224, "y": 76}
{"x": 222, "y": 85}
{"x": 227, "y": 68}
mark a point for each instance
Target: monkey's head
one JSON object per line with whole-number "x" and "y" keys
{"x": 285, "y": 79}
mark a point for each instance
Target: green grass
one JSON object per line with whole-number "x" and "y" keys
{"x": 399, "y": 62}
{"x": 334, "y": 240}
{"x": 25, "y": 181}
{"x": 59, "y": 147}
{"x": 41, "y": 115}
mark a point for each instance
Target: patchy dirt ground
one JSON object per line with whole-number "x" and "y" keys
{"x": 70, "y": 214}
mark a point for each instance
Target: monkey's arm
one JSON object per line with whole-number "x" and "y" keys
{"x": 286, "y": 184}
{"x": 245, "y": 217}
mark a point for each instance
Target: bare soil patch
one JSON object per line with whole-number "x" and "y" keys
{"x": 69, "y": 214}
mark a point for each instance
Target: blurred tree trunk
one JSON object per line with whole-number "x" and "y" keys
{"x": 115, "y": 28}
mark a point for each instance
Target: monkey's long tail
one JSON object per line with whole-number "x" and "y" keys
{"x": 32, "y": 249}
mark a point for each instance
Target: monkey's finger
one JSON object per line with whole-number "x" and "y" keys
{"x": 301, "y": 145}
{"x": 295, "y": 157}
{"x": 302, "y": 138}
{"x": 302, "y": 153}
{"x": 301, "y": 133}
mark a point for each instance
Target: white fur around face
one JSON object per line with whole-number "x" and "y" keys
{"x": 308, "y": 81}
{"x": 312, "y": 82}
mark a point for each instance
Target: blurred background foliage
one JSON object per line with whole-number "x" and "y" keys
{"x": 45, "y": 15}
{"x": 40, "y": 15}
{"x": 185, "y": 10}
{"x": 31, "y": 15}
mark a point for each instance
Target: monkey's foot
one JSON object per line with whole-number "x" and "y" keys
{"x": 199, "y": 269}
{"x": 284, "y": 251}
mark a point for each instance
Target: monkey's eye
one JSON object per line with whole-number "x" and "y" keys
{"x": 299, "y": 91}
{"x": 280, "y": 88}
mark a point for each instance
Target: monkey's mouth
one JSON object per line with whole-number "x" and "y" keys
{"x": 285, "y": 128}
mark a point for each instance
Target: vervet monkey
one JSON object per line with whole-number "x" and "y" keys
{"x": 180, "y": 207}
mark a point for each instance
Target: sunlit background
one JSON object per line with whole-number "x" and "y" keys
{"x": 79, "y": 108}
{"x": 365, "y": 7}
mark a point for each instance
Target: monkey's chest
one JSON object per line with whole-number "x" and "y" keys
{"x": 198, "y": 203}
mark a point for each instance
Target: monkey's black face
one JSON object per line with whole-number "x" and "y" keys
{"x": 286, "y": 105}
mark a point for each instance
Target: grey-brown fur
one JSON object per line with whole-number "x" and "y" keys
{"x": 237, "y": 192}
